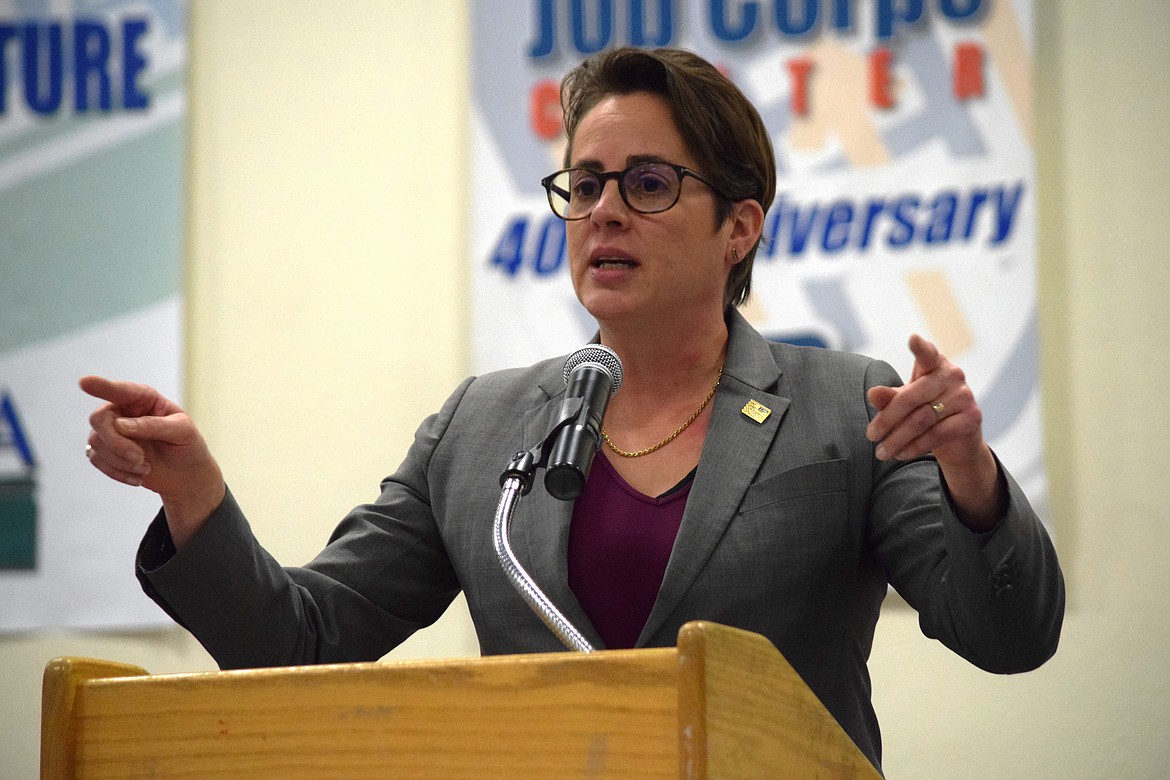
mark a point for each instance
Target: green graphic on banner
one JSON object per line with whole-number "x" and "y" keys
{"x": 18, "y": 509}
{"x": 63, "y": 228}
{"x": 18, "y": 523}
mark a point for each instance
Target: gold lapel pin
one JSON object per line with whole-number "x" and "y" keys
{"x": 756, "y": 410}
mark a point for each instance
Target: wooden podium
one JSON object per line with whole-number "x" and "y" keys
{"x": 723, "y": 704}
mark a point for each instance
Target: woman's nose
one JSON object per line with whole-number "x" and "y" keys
{"x": 610, "y": 205}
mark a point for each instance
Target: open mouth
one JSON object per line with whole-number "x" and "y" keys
{"x": 613, "y": 263}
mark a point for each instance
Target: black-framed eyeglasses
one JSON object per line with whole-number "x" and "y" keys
{"x": 648, "y": 188}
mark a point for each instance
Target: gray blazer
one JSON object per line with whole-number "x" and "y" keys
{"x": 792, "y": 529}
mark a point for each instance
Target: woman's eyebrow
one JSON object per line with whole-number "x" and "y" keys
{"x": 633, "y": 159}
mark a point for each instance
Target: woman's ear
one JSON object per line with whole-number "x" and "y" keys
{"x": 747, "y": 223}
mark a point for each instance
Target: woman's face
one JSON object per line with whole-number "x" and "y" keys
{"x": 645, "y": 268}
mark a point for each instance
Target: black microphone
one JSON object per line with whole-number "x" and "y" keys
{"x": 592, "y": 375}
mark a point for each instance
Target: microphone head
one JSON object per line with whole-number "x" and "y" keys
{"x": 600, "y": 356}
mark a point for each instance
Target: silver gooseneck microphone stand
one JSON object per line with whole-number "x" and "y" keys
{"x": 513, "y": 488}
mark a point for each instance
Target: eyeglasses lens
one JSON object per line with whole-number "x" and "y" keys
{"x": 651, "y": 188}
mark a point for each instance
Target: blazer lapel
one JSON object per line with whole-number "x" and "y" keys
{"x": 735, "y": 447}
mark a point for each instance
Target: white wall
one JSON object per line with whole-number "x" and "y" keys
{"x": 328, "y": 314}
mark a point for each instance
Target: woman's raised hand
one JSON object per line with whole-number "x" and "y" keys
{"x": 936, "y": 412}
{"x": 143, "y": 439}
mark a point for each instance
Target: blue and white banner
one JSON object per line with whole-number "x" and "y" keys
{"x": 92, "y": 150}
{"x": 906, "y": 193}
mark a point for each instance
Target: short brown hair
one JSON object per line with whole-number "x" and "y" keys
{"x": 719, "y": 125}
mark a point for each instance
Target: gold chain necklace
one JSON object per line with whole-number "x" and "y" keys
{"x": 671, "y": 437}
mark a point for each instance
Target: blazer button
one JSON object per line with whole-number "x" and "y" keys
{"x": 1001, "y": 580}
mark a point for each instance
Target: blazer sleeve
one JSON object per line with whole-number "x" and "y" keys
{"x": 995, "y": 598}
{"x": 383, "y": 575}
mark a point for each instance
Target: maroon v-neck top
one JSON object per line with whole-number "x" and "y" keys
{"x": 619, "y": 543}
